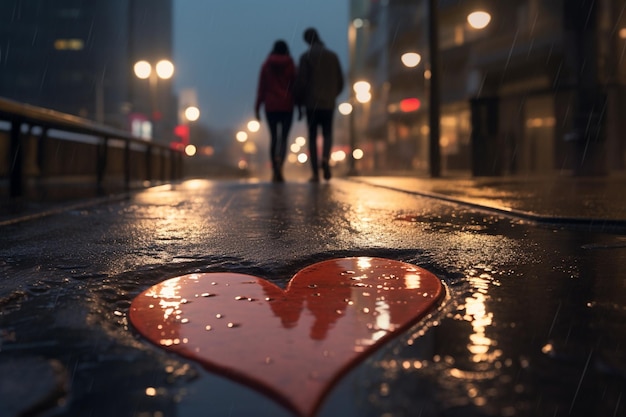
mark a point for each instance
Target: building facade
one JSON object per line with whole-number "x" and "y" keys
{"x": 77, "y": 56}
{"x": 539, "y": 90}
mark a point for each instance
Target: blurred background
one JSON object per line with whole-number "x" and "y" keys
{"x": 434, "y": 88}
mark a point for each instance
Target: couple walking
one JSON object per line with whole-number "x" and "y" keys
{"x": 312, "y": 87}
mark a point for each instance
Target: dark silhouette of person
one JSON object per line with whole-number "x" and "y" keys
{"x": 275, "y": 93}
{"x": 319, "y": 82}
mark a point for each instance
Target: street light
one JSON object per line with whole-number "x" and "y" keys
{"x": 192, "y": 113}
{"x": 164, "y": 69}
{"x": 479, "y": 19}
{"x": 254, "y": 126}
{"x": 362, "y": 91}
{"x": 361, "y": 94}
{"x": 411, "y": 59}
{"x": 241, "y": 136}
{"x": 345, "y": 108}
{"x": 434, "y": 113}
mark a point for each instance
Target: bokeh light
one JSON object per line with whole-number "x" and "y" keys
{"x": 165, "y": 69}
{"x": 142, "y": 69}
{"x": 241, "y": 136}
{"x": 192, "y": 113}
{"x": 254, "y": 126}
{"x": 411, "y": 59}
{"x": 190, "y": 150}
{"x": 479, "y": 19}
{"x": 345, "y": 108}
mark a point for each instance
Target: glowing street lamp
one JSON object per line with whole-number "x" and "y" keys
{"x": 164, "y": 69}
{"x": 362, "y": 90}
{"x": 254, "y": 126}
{"x": 479, "y": 19}
{"x": 190, "y": 150}
{"x": 241, "y": 136}
{"x": 142, "y": 69}
{"x": 362, "y": 94}
{"x": 192, "y": 113}
{"x": 345, "y": 108}
{"x": 411, "y": 59}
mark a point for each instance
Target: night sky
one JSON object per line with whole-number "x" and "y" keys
{"x": 219, "y": 47}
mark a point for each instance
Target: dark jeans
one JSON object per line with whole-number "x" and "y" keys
{"x": 320, "y": 118}
{"x": 279, "y": 123}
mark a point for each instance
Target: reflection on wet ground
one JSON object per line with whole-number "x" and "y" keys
{"x": 533, "y": 324}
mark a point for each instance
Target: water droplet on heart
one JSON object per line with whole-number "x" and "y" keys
{"x": 208, "y": 294}
{"x": 348, "y": 273}
{"x": 269, "y": 299}
{"x": 184, "y": 301}
{"x": 269, "y": 360}
{"x": 312, "y": 285}
{"x": 207, "y": 327}
{"x": 366, "y": 310}
{"x": 184, "y": 321}
{"x": 316, "y": 294}
{"x": 218, "y": 316}
{"x": 233, "y": 325}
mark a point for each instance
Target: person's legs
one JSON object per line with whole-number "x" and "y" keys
{"x": 286, "y": 120}
{"x": 326, "y": 121}
{"x": 311, "y": 118}
{"x": 272, "y": 122}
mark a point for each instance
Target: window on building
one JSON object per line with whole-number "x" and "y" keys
{"x": 69, "y": 44}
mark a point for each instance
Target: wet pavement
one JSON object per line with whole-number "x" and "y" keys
{"x": 533, "y": 323}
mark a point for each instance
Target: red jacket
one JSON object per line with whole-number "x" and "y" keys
{"x": 276, "y": 81}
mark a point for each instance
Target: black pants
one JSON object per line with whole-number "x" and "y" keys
{"x": 320, "y": 118}
{"x": 279, "y": 123}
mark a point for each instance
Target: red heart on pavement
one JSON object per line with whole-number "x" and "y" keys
{"x": 292, "y": 344}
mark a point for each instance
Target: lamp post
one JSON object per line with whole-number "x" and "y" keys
{"x": 360, "y": 94}
{"x": 191, "y": 115}
{"x": 164, "y": 69}
{"x": 434, "y": 110}
{"x": 477, "y": 20}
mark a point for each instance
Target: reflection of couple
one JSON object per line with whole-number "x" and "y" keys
{"x": 314, "y": 86}
{"x": 327, "y": 305}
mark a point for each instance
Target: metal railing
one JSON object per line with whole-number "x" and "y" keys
{"x": 80, "y": 148}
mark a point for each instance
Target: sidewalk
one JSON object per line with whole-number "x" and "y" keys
{"x": 540, "y": 199}
{"x": 533, "y": 324}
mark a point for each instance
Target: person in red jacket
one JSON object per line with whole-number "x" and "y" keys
{"x": 274, "y": 92}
